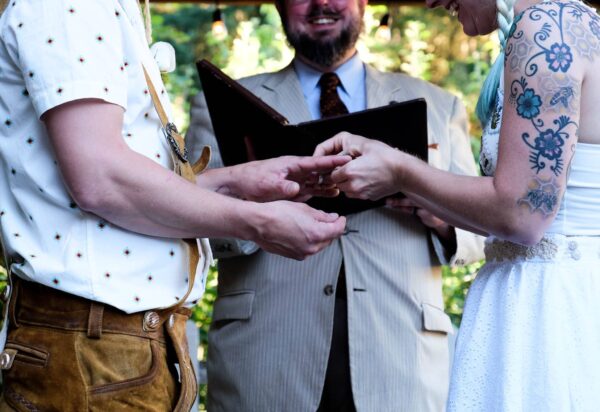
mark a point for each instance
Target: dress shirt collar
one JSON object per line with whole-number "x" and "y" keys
{"x": 351, "y": 74}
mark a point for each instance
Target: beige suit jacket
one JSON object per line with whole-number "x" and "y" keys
{"x": 272, "y": 322}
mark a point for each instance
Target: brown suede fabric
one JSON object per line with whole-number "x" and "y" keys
{"x": 77, "y": 368}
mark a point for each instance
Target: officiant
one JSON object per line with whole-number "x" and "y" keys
{"x": 360, "y": 326}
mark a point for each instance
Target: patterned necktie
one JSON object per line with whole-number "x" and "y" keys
{"x": 330, "y": 103}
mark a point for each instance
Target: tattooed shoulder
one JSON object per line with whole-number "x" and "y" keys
{"x": 551, "y": 34}
{"x": 548, "y": 44}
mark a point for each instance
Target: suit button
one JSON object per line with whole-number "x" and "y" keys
{"x": 328, "y": 290}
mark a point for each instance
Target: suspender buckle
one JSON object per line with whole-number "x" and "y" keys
{"x": 170, "y": 131}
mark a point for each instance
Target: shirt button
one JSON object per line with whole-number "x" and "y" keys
{"x": 328, "y": 290}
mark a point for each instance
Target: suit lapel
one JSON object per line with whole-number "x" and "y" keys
{"x": 282, "y": 90}
{"x": 380, "y": 91}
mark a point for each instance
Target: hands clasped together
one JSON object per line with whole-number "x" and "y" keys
{"x": 289, "y": 227}
{"x": 362, "y": 168}
{"x": 377, "y": 171}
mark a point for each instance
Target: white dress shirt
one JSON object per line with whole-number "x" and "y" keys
{"x": 53, "y": 52}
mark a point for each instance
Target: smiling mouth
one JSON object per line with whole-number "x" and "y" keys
{"x": 322, "y": 20}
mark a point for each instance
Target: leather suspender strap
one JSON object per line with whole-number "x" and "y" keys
{"x": 176, "y": 141}
{"x": 182, "y": 167}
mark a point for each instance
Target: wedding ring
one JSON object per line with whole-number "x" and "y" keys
{"x": 320, "y": 180}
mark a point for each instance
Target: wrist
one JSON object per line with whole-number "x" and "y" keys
{"x": 405, "y": 169}
{"x": 397, "y": 164}
{"x": 224, "y": 180}
{"x": 251, "y": 219}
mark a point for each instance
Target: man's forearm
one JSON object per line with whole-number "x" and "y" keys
{"x": 139, "y": 195}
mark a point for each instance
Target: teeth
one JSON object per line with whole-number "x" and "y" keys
{"x": 323, "y": 20}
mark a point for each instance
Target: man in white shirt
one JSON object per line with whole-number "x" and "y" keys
{"x": 92, "y": 219}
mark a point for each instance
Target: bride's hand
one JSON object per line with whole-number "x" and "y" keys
{"x": 374, "y": 171}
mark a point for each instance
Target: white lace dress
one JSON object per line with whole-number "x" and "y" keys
{"x": 530, "y": 334}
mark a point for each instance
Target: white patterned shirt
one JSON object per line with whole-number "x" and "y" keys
{"x": 53, "y": 52}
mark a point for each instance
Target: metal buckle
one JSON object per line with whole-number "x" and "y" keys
{"x": 151, "y": 321}
{"x": 168, "y": 130}
{"x": 6, "y": 359}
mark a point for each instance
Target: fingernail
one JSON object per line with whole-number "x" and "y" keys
{"x": 292, "y": 188}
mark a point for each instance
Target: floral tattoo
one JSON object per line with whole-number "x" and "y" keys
{"x": 567, "y": 30}
{"x": 565, "y": 19}
{"x": 548, "y": 142}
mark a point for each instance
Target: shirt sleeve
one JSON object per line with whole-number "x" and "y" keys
{"x": 69, "y": 51}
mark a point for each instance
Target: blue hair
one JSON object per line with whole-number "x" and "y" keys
{"x": 489, "y": 91}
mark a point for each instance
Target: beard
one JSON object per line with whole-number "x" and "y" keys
{"x": 325, "y": 52}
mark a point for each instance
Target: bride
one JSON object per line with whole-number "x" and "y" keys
{"x": 530, "y": 335}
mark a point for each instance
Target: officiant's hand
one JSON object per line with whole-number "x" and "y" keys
{"x": 288, "y": 177}
{"x": 373, "y": 172}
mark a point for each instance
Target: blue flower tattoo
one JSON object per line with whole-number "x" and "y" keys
{"x": 558, "y": 54}
{"x": 528, "y": 104}
{"x": 560, "y": 57}
{"x": 549, "y": 144}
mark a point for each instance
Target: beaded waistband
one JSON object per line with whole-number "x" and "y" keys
{"x": 551, "y": 247}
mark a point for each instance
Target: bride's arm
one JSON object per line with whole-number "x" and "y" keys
{"x": 537, "y": 144}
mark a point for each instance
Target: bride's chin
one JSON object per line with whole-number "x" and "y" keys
{"x": 471, "y": 28}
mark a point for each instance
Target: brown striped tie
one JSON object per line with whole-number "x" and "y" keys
{"x": 330, "y": 103}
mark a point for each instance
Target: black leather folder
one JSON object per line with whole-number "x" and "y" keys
{"x": 247, "y": 128}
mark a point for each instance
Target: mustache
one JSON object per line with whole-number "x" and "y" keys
{"x": 320, "y": 11}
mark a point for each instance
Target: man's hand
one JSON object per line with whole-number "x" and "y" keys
{"x": 287, "y": 177}
{"x": 296, "y": 230}
{"x": 373, "y": 174}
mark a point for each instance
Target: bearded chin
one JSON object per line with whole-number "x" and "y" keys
{"x": 325, "y": 53}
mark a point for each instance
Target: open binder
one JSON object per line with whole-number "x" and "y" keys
{"x": 247, "y": 128}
